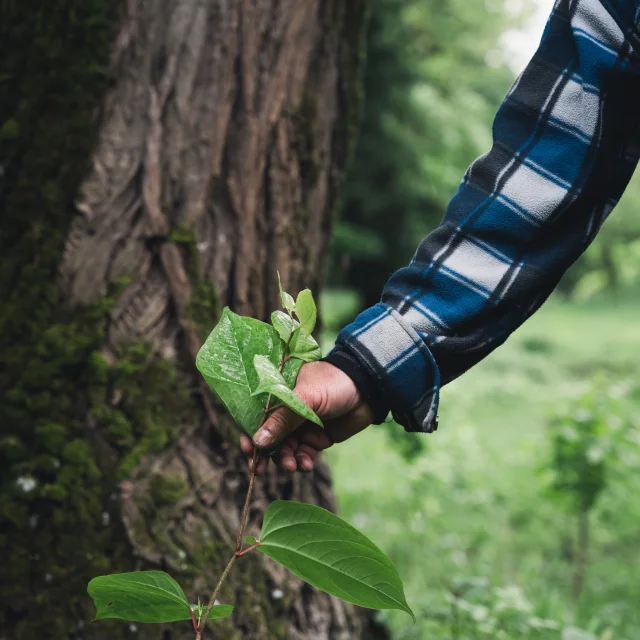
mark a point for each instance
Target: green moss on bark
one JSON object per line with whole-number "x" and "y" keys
{"x": 205, "y": 307}
{"x": 72, "y": 424}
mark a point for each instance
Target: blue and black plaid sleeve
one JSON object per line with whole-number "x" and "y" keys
{"x": 565, "y": 144}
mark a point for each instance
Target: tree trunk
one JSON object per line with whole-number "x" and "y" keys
{"x": 213, "y": 160}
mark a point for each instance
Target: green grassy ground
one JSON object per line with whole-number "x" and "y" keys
{"x": 483, "y": 550}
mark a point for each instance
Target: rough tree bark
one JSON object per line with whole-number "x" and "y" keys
{"x": 214, "y": 159}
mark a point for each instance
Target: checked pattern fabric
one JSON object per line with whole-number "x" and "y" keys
{"x": 565, "y": 144}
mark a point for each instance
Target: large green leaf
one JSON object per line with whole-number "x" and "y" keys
{"x": 143, "y": 596}
{"x": 226, "y": 362}
{"x": 306, "y": 311}
{"x": 272, "y": 381}
{"x": 330, "y": 554}
{"x": 302, "y": 345}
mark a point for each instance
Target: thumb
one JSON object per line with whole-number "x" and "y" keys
{"x": 279, "y": 424}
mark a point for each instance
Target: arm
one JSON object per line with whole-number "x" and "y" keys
{"x": 565, "y": 145}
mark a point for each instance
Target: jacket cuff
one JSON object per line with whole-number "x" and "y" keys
{"x": 398, "y": 359}
{"x": 368, "y": 386}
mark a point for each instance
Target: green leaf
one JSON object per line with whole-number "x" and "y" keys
{"x": 302, "y": 345}
{"x": 305, "y": 347}
{"x": 272, "y": 381}
{"x": 226, "y": 362}
{"x": 287, "y": 300}
{"x": 250, "y": 540}
{"x": 306, "y": 311}
{"x": 283, "y": 324}
{"x": 141, "y": 596}
{"x": 330, "y": 554}
{"x": 290, "y": 371}
{"x": 217, "y": 611}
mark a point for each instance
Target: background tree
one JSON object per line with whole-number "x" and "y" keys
{"x": 612, "y": 266}
{"x": 159, "y": 160}
{"x": 431, "y": 93}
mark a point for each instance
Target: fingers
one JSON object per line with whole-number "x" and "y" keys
{"x": 285, "y": 457}
{"x": 305, "y": 456}
{"x": 299, "y": 451}
{"x": 247, "y": 448}
{"x": 246, "y": 445}
{"x": 263, "y": 465}
{"x": 278, "y": 425}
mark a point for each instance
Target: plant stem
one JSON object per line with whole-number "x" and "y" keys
{"x": 255, "y": 545}
{"x": 214, "y": 595}
{"x": 275, "y": 406}
{"x": 285, "y": 357}
{"x": 238, "y": 553}
{"x": 245, "y": 510}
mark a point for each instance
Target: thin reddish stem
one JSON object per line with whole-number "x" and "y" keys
{"x": 275, "y": 407}
{"x": 214, "y": 595}
{"x": 239, "y": 554}
{"x": 245, "y": 511}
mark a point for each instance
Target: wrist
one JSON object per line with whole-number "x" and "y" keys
{"x": 367, "y": 387}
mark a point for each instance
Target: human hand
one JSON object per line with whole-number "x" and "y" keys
{"x": 334, "y": 397}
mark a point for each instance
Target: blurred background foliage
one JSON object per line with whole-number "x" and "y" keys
{"x": 519, "y": 518}
{"x": 431, "y": 90}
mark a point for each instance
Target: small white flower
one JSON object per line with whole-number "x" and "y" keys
{"x": 105, "y": 519}
{"x": 277, "y": 594}
{"x": 26, "y": 483}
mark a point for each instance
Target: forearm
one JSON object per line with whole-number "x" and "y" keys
{"x": 565, "y": 146}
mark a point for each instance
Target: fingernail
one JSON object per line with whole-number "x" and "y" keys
{"x": 263, "y": 438}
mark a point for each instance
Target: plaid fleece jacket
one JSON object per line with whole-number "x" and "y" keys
{"x": 565, "y": 144}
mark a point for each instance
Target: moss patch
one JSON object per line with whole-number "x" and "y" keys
{"x": 72, "y": 424}
{"x": 205, "y": 307}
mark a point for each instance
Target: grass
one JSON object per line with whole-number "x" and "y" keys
{"x": 482, "y": 549}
